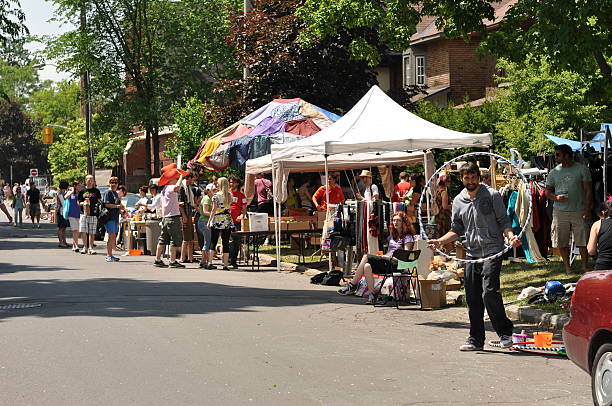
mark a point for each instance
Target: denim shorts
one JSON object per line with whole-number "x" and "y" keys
{"x": 112, "y": 226}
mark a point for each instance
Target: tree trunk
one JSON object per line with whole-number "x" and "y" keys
{"x": 156, "y": 160}
{"x": 148, "y": 131}
{"x": 606, "y": 70}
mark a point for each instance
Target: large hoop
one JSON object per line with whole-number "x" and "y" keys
{"x": 460, "y": 157}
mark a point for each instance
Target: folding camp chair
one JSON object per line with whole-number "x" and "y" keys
{"x": 406, "y": 269}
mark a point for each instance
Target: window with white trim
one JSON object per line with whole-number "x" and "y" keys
{"x": 420, "y": 70}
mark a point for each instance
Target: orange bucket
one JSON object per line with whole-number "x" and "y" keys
{"x": 134, "y": 253}
{"x": 542, "y": 339}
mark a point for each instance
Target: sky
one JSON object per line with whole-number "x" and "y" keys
{"x": 38, "y": 13}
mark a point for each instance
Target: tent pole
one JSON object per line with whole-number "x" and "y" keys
{"x": 329, "y": 258}
{"x": 276, "y": 239}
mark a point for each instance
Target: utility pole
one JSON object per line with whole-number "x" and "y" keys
{"x": 85, "y": 102}
{"x": 248, "y": 6}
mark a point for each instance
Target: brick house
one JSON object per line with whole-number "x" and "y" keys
{"x": 451, "y": 68}
{"x": 134, "y": 157}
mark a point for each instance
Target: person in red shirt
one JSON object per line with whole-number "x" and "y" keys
{"x": 400, "y": 190}
{"x": 336, "y": 196}
{"x": 237, "y": 211}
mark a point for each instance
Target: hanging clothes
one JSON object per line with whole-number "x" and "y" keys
{"x": 522, "y": 210}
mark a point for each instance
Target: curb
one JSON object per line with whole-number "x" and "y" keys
{"x": 543, "y": 319}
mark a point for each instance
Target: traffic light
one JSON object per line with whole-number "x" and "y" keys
{"x": 48, "y": 135}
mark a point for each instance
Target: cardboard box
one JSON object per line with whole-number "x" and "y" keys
{"x": 321, "y": 215}
{"x": 453, "y": 285}
{"x": 298, "y": 225}
{"x": 320, "y": 224}
{"x": 433, "y": 294}
{"x": 258, "y": 221}
{"x": 244, "y": 225}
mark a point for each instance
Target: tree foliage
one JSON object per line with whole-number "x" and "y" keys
{"x": 20, "y": 143}
{"x": 18, "y": 77}
{"x": 266, "y": 40}
{"x": 55, "y": 103}
{"x": 68, "y": 154}
{"x": 541, "y": 101}
{"x": 145, "y": 54}
{"x": 11, "y": 21}
{"x": 191, "y": 128}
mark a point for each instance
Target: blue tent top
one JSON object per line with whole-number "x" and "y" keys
{"x": 575, "y": 145}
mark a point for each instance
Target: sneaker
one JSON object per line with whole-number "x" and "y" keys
{"x": 115, "y": 259}
{"x": 225, "y": 268}
{"x": 76, "y": 249}
{"x": 83, "y": 251}
{"x": 109, "y": 259}
{"x": 211, "y": 266}
{"x": 348, "y": 289}
{"x": 203, "y": 265}
{"x": 503, "y": 342}
{"x": 471, "y": 345}
{"x": 91, "y": 252}
{"x": 176, "y": 264}
{"x": 160, "y": 264}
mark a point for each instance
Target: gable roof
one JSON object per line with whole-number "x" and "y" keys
{"x": 426, "y": 29}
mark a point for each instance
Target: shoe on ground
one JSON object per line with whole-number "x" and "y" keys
{"x": 471, "y": 345}
{"x": 204, "y": 265}
{"x": 176, "y": 264}
{"x": 115, "y": 259}
{"x": 234, "y": 266}
{"x": 503, "y": 342}
{"x": 109, "y": 259}
{"x": 211, "y": 267}
{"x": 75, "y": 249}
{"x": 225, "y": 268}
{"x": 160, "y": 264}
{"x": 91, "y": 252}
{"x": 348, "y": 289}
{"x": 83, "y": 251}
{"x": 371, "y": 299}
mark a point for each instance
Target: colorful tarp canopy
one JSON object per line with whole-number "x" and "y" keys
{"x": 597, "y": 142}
{"x": 278, "y": 122}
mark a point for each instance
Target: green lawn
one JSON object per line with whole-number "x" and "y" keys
{"x": 313, "y": 256}
{"x": 516, "y": 276}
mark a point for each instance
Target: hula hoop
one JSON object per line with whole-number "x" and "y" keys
{"x": 507, "y": 247}
{"x": 528, "y": 346}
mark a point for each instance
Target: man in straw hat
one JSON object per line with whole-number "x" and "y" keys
{"x": 172, "y": 229}
{"x": 371, "y": 190}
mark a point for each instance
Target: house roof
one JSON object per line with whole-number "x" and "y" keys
{"x": 426, "y": 29}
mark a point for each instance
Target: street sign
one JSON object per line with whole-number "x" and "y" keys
{"x": 33, "y": 172}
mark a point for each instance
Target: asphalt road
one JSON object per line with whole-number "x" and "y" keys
{"x": 130, "y": 334}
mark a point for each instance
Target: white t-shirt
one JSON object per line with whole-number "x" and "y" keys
{"x": 370, "y": 192}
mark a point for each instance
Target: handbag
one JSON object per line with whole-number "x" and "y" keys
{"x": 103, "y": 214}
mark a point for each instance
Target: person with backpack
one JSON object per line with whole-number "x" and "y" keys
{"x": 401, "y": 236}
{"x": 88, "y": 199}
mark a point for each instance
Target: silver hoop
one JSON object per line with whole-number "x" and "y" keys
{"x": 507, "y": 247}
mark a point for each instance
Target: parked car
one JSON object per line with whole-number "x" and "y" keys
{"x": 588, "y": 334}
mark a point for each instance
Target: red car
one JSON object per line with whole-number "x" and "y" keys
{"x": 588, "y": 334}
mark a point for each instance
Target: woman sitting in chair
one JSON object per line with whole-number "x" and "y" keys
{"x": 401, "y": 237}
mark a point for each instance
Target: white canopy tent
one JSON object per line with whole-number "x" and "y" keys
{"x": 376, "y": 124}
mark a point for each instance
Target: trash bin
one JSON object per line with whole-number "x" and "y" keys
{"x": 153, "y": 230}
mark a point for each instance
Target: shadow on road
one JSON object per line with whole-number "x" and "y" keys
{"x": 113, "y": 297}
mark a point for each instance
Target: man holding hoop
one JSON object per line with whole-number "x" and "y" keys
{"x": 480, "y": 214}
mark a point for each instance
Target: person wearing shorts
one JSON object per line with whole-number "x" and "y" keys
{"x": 205, "y": 212}
{"x": 62, "y": 223}
{"x": 88, "y": 199}
{"x": 71, "y": 198}
{"x": 112, "y": 202}
{"x": 171, "y": 227}
{"x": 569, "y": 186}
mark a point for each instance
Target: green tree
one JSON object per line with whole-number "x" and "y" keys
{"x": 541, "y": 101}
{"x": 147, "y": 48}
{"x": 56, "y": 103}
{"x": 18, "y": 77}
{"x": 11, "y": 21}
{"x": 191, "y": 128}
{"x": 68, "y": 154}
{"x": 20, "y": 143}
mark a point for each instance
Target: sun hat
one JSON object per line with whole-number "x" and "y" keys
{"x": 367, "y": 173}
{"x": 169, "y": 173}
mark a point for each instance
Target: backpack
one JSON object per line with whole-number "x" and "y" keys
{"x": 332, "y": 278}
{"x": 318, "y": 278}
